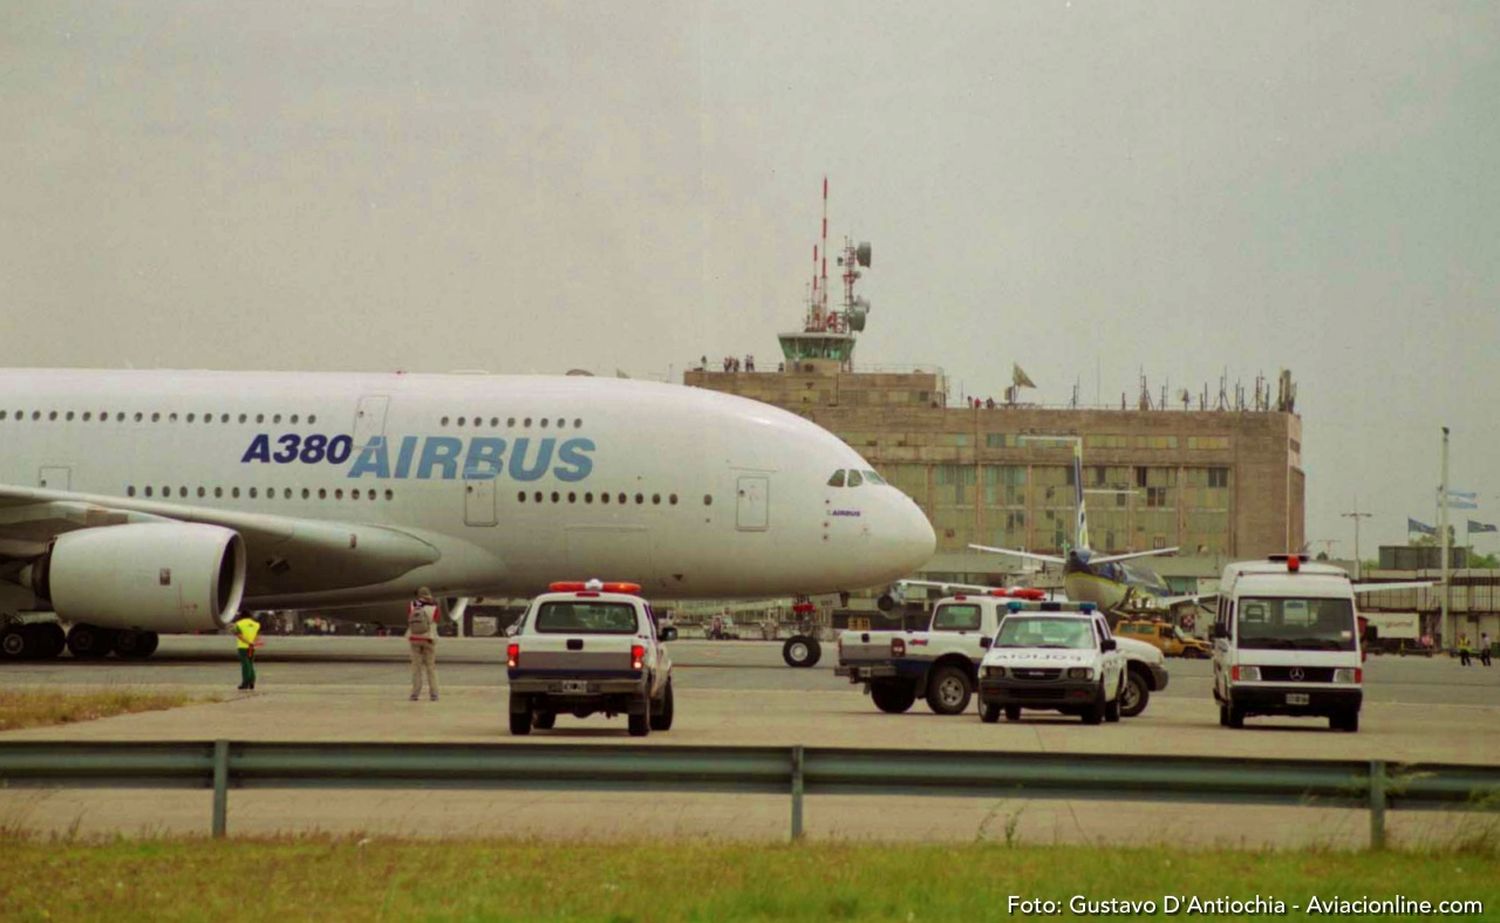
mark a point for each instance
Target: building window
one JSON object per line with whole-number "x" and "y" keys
{"x": 1218, "y": 477}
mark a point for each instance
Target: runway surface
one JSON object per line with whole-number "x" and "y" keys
{"x": 351, "y": 688}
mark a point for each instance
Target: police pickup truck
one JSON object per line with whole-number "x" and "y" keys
{"x": 1052, "y": 656}
{"x": 942, "y": 663}
{"x": 585, "y": 648}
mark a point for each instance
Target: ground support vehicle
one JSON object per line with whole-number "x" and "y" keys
{"x": 1165, "y": 637}
{"x": 586, "y": 648}
{"x": 1052, "y": 656}
{"x": 1287, "y": 642}
{"x": 941, "y": 664}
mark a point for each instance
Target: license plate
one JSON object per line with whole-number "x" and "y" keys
{"x": 1296, "y": 698}
{"x": 578, "y": 687}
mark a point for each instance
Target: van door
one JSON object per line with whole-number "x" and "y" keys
{"x": 753, "y": 512}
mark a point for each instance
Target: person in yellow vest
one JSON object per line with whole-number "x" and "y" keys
{"x": 421, "y": 636}
{"x": 246, "y": 632}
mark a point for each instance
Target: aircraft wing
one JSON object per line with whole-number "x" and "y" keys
{"x": 977, "y": 588}
{"x": 1105, "y": 559}
{"x": 1408, "y": 585}
{"x": 1048, "y": 558}
{"x": 285, "y": 554}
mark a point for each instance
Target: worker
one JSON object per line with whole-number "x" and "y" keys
{"x": 246, "y": 634}
{"x": 421, "y": 636}
{"x": 1463, "y": 650}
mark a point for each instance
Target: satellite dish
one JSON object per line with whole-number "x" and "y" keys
{"x": 857, "y": 313}
{"x": 862, "y": 253}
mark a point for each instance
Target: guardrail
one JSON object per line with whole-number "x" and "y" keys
{"x": 221, "y": 765}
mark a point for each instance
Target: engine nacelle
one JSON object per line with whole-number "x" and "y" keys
{"x": 162, "y": 577}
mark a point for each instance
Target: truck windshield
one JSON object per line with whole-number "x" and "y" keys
{"x": 593, "y": 618}
{"x": 1020, "y": 631}
{"x": 956, "y": 618}
{"x": 1286, "y": 623}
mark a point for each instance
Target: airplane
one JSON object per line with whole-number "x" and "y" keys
{"x": 1104, "y": 580}
{"x": 141, "y": 503}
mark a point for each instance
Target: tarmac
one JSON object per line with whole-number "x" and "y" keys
{"x": 728, "y": 693}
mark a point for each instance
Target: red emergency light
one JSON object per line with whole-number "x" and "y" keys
{"x": 578, "y": 586}
{"x": 1293, "y": 564}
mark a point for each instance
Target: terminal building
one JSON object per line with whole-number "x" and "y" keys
{"x": 1220, "y": 485}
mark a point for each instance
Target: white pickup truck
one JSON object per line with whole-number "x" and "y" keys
{"x": 942, "y": 663}
{"x": 1057, "y": 659}
{"x": 585, "y": 648}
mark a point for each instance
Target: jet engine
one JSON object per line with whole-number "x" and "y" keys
{"x": 162, "y": 577}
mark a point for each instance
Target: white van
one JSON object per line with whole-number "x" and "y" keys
{"x": 1286, "y": 642}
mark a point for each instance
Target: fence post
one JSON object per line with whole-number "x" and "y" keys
{"x": 1377, "y": 804}
{"x": 796, "y": 793}
{"x": 221, "y": 787}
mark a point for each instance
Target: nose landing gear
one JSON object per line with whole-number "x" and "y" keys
{"x": 802, "y": 649}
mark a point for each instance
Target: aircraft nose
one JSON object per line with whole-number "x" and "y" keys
{"x": 912, "y": 541}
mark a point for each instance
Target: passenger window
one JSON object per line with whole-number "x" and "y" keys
{"x": 838, "y": 479}
{"x": 854, "y": 479}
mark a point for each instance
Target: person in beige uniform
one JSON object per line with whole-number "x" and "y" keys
{"x": 421, "y": 637}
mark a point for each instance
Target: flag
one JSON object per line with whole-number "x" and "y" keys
{"x": 1019, "y": 378}
{"x": 1413, "y": 526}
{"x": 1460, "y": 500}
{"x": 1462, "y": 495}
{"x": 1483, "y": 526}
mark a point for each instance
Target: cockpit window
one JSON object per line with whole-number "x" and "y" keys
{"x": 838, "y": 479}
{"x": 854, "y": 479}
{"x": 873, "y": 478}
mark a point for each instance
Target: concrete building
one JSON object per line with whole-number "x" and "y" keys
{"x": 1221, "y": 485}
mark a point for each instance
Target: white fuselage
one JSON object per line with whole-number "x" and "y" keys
{"x": 514, "y": 481}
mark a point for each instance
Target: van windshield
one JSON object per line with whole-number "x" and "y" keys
{"x": 1302, "y": 624}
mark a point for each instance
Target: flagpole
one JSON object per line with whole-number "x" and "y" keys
{"x": 1448, "y": 638}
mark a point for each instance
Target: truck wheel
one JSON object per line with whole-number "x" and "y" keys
{"x": 1094, "y": 713}
{"x": 1135, "y": 695}
{"x": 640, "y": 725}
{"x": 520, "y": 721}
{"x": 1112, "y": 709}
{"x": 949, "y": 690}
{"x": 1012, "y": 713}
{"x": 661, "y": 720}
{"x": 893, "y": 697}
{"x": 1235, "y": 717}
{"x": 544, "y": 720}
{"x": 1346, "y": 721}
{"x": 1223, "y": 715}
{"x": 989, "y": 714}
{"x": 801, "y": 651}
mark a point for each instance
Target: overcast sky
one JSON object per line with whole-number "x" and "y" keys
{"x": 1091, "y": 190}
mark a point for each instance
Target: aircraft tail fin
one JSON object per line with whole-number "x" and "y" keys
{"x": 1082, "y": 538}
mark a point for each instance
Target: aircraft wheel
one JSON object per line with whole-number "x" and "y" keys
{"x": 801, "y": 651}
{"x": 16, "y": 642}
{"x": 135, "y": 645}
{"x": 89, "y": 642}
{"x": 53, "y": 640}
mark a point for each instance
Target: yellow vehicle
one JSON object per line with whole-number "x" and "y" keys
{"x": 1164, "y": 635}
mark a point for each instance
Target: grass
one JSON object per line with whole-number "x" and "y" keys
{"x": 40, "y": 709}
{"x": 364, "y": 879}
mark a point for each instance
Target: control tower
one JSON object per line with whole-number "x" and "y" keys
{"x": 826, "y": 340}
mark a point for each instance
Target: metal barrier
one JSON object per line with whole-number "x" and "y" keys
{"x": 799, "y": 771}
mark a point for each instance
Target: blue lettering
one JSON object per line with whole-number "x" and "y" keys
{"x": 571, "y": 453}
{"x": 373, "y": 459}
{"x": 518, "y": 468}
{"x": 440, "y": 451}
{"x": 486, "y": 458}
{"x": 289, "y": 445}
{"x": 403, "y": 459}
{"x": 339, "y": 448}
{"x": 260, "y": 450}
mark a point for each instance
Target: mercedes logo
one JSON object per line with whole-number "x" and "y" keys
{"x": 1297, "y": 675}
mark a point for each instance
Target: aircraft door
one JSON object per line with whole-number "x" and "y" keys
{"x": 55, "y": 477}
{"x": 479, "y": 502}
{"x": 369, "y": 419}
{"x": 753, "y": 513}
